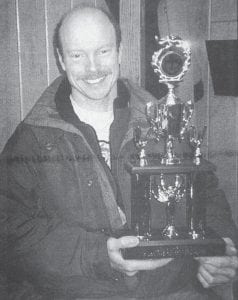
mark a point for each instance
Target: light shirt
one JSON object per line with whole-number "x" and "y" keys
{"x": 101, "y": 122}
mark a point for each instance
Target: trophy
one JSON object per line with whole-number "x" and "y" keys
{"x": 167, "y": 214}
{"x": 171, "y": 62}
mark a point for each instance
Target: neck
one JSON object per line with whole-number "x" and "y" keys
{"x": 103, "y": 105}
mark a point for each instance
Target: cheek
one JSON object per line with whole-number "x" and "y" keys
{"x": 75, "y": 69}
{"x": 109, "y": 62}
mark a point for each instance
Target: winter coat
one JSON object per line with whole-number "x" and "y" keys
{"x": 59, "y": 203}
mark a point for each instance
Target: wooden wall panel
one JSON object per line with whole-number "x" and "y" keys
{"x": 33, "y": 54}
{"x": 55, "y": 9}
{"x": 224, "y": 30}
{"x": 10, "y": 112}
{"x": 132, "y": 26}
{"x": 79, "y": 2}
{"x": 96, "y": 3}
{"x": 224, "y": 10}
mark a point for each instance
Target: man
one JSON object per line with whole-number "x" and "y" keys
{"x": 65, "y": 192}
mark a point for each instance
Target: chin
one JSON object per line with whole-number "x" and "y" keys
{"x": 96, "y": 96}
{"x": 96, "y": 92}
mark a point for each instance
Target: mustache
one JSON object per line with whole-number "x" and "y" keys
{"x": 94, "y": 75}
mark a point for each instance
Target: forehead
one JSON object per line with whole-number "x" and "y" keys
{"x": 87, "y": 29}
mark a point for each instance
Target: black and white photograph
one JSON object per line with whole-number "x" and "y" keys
{"x": 118, "y": 149}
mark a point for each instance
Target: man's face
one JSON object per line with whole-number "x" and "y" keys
{"x": 90, "y": 56}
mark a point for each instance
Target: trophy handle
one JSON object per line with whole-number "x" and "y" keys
{"x": 187, "y": 113}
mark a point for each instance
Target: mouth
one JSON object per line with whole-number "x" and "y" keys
{"x": 94, "y": 81}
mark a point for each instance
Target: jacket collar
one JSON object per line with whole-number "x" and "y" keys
{"x": 54, "y": 108}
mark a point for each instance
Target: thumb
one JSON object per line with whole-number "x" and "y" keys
{"x": 230, "y": 247}
{"x": 123, "y": 242}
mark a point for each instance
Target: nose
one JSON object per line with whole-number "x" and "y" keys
{"x": 92, "y": 63}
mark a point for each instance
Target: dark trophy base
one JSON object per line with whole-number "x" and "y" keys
{"x": 212, "y": 245}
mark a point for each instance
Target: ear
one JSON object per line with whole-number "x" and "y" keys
{"x": 61, "y": 60}
{"x": 120, "y": 53}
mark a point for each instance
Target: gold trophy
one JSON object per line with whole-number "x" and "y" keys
{"x": 171, "y": 63}
{"x": 170, "y": 183}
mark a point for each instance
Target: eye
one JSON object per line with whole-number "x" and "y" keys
{"x": 104, "y": 51}
{"x": 77, "y": 55}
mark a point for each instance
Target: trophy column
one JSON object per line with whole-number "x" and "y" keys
{"x": 140, "y": 206}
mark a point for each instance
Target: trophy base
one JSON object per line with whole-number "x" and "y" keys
{"x": 212, "y": 245}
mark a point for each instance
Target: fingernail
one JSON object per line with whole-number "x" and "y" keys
{"x": 130, "y": 241}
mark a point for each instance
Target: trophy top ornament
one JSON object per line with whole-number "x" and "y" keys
{"x": 172, "y": 60}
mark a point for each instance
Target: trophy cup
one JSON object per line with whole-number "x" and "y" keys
{"x": 170, "y": 195}
{"x": 167, "y": 214}
{"x": 171, "y": 62}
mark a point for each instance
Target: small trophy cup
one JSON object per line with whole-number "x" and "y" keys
{"x": 167, "y": 214}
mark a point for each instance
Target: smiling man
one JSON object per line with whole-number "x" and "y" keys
{"x": 90, "y": 56}
{"x": 65, "y": 194}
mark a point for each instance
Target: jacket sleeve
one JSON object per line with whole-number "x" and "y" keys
{"x": 59, "y": 258}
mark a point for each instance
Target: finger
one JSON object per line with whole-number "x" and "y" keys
{"x": 202, "y": 281}
{"x": 130, "y": 274}
{"x": 114, "y": 244}
{"x": 230, "y": 273}
{"x": 212, "y": 280}
{"x": 220, "y": 261}
{"x": 130, "y": 267}
{"x": 229, "y": 241}
{"x": 141, "y": 265}
{"x": 230, "y": 247}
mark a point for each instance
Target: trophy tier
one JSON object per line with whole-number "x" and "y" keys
{"x": 166, "y": 213}
{"x": 154, "y": 166}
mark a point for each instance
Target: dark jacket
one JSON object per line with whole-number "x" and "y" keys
{"x": 60, "y": 202}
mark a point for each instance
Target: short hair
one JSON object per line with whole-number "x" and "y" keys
{"x": 57, "y": 43}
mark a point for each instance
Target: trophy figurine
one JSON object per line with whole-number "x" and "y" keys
{"x": 195, "y": 141}
{"x": 160, "y": 186}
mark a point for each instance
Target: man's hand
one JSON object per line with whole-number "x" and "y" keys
{"x": 130, "y": 267}
{"x": 218, "y": 270}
